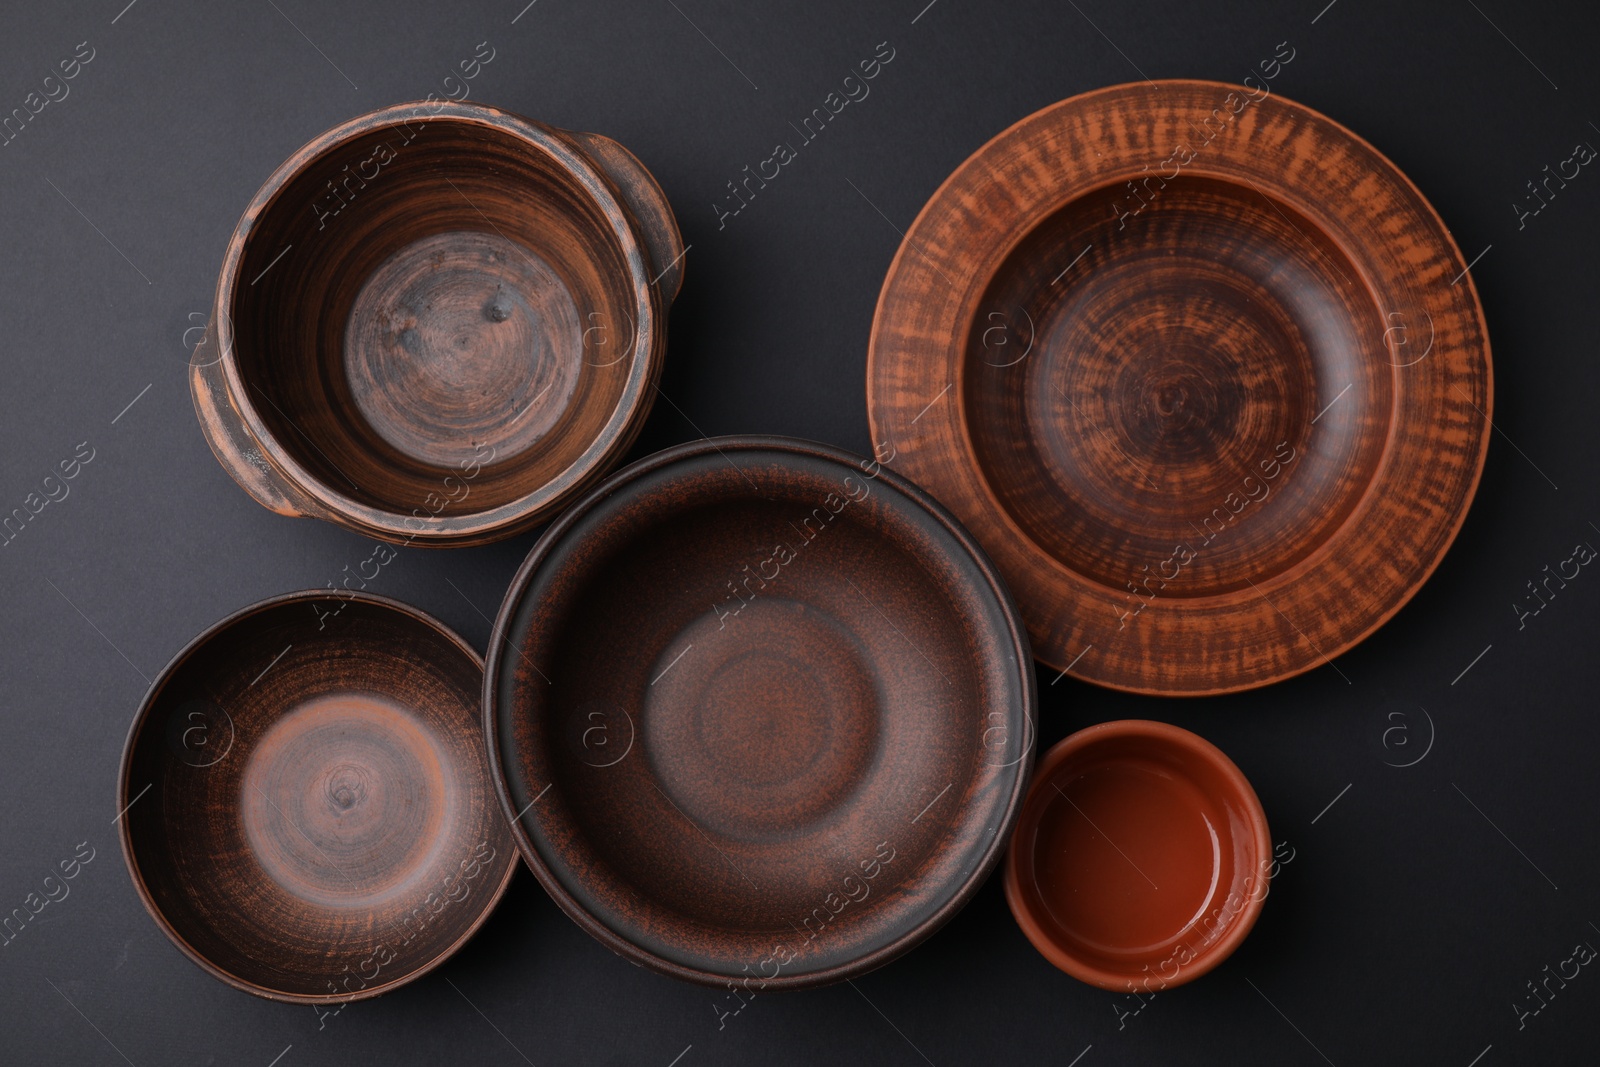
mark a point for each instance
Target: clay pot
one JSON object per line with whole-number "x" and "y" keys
{"x": 438, "y": 323}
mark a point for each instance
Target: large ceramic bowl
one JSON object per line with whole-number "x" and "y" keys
{"x": 1200, "y": 369}
{"x": 760, "y": 712}
{"x": 438, "y": 323}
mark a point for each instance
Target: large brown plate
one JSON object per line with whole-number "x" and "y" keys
{"x": 1200, "y": 369}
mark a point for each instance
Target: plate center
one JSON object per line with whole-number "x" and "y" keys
{"x": 1195, "y": 405}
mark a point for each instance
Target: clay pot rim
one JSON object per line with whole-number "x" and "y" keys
{"x": 549, "y": 547}
{"x": 982, "y": 157}
{"x": 626, "y": 418}
{"x": 124, "y": 836}
{"x": 1156, "y": 735}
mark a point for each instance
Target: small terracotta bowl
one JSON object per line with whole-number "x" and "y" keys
{"x": 306, "y": 803}
{"x": 1141, "y": 859}
{"x": 761, "y": 713}
{"x": 438, "y": 323}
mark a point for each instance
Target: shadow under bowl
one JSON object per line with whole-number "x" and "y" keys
{"x": 319, "y": 824}
{"x": 1142, "y": 857}
{"x": 761, "y": 712}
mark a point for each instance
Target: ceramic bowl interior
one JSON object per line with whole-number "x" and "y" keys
{"x": 1141, "y": 859}
{"x": 443, "y": 298}
{"x": 763, "y": 711}
{"x": 1186, "y": 358}
{"x": 309, "y": 810}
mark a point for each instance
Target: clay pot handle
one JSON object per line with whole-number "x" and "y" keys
{"x": 235, "y": 447}
{"x": 648, "y": 204}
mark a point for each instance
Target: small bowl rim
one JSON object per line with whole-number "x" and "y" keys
{"x": 1155, "y": 734}
{"x": 626, "y": 418}
{"x": 124, "y": 835}
{"x": 1017, "y": 648}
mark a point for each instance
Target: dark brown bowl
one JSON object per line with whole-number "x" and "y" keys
{"x": 761, "y": 712}
{"x": 306, "y": 803}
{"x": 438, "y": 323}
{"x": 1203, "y": 372}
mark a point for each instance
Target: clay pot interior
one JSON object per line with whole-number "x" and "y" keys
{"x": 451, "y": 299}
{"x": 1184, "y": 360}
{"x": 1141, "y": 858}
{"x": 764, "y": 715}
{"x": 319, "y": 824}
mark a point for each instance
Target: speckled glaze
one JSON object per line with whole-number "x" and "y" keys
{"x": 308, "y": 813}
{"x": 1204, "y": 373}
{"x": 438, "y": 323}
{"x": 761, "y": 712}
{"x": 1142, "y": 858}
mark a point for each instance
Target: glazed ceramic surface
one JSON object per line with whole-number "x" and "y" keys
{"x": 1142, "y": 857}
{"x": 761, "y": 711}
{"x": 308, "y": 809}
{"x": 1204, "y": 373}
{"x": 437, "y": 323}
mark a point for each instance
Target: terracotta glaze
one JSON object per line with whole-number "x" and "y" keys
{"x": 1142, "y": 857}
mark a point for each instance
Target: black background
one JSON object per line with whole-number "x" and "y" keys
{"x": 1408, "y": 923}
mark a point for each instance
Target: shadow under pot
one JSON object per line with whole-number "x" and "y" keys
{"x": 438, "y": 323}
{"x": 305, "y": 799}
{"x": 761, "y": 714}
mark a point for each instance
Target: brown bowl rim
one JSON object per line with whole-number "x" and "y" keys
{"x": 627, "y": 419}
{"x": 1155, "y": 734}
{"x": 124, "y": 837}
{"x": 1017, "y": 644}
